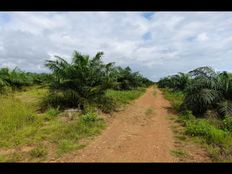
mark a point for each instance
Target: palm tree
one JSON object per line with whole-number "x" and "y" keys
{"x": 82, "y": 81}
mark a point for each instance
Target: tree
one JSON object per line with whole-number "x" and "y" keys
{"x": 80, "y": 82}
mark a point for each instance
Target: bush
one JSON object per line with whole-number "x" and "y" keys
{"x": 204, "y": 129}
{"x": 107, "y": 104}
{"x": 89, "y": 117}
{"x": 228, "y": 123}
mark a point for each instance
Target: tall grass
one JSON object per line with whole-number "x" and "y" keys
{"x": 14, "y": 117}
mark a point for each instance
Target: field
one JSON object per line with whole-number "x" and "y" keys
{"x": 27, "y": 134}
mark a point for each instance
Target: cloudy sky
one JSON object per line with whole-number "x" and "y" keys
{"x": 155, "y": 43}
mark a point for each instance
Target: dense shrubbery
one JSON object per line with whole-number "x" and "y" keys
{"x": 204, "y": 90}
{"x": 214, "y": 130}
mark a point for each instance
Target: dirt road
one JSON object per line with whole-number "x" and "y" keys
{"x": 140, "y": 133}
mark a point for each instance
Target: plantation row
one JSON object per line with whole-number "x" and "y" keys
{"x": 203, "y": 100}
{"x": 81, "y": 83}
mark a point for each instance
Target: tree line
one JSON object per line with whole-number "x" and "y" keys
{"x": 78, "y": 83}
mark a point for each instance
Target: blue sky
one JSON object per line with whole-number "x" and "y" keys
{"x": 156, "y": 44}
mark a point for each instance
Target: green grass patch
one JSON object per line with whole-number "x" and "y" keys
{"x": 203, "y": 128}
{"x": 124, "y": 97}
{"x": 32, "y": 96}
{"x": 176, "y": 98}
{"x": 66, "y": 146}
{"x": 179, "y": 153}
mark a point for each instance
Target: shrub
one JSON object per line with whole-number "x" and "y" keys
{"x": 89, "y": 117}
{"x": 228, "y": 123}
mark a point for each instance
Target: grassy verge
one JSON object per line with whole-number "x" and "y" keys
{"x": 216, "y": 139}
{"x": 47, "y": 135}
{"x": 124, "y": 97}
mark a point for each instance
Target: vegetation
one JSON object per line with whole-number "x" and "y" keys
{"x": 35, "y": 107}
{"x": 95, "y": 78}
{"x": 203, "y": 105}
{"x": 204, "y": 89}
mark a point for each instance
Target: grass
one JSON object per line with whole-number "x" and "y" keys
{"x": 32, "y": 96}
{"x": 213, "y": 134}
{"x": 21, "y": 125}
{"x": 39, "y": 152}
{"x": 66, "y": 146}
{"x": 124, "y": 97}
{"x": 179, "y": 153}
{"x": 175, "y": 97}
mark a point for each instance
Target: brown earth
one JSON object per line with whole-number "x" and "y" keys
{"x": 140, "y": 133}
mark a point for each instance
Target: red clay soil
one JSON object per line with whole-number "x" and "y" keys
{"x": 140, "y": 133}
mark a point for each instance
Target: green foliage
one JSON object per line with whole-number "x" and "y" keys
{"x": 89, "y": 117}
{"x": 85, "y": 80}
{"x": 204, "y": 90}
{"x": 177, "y": 82}
{"x": 80, "y": 82}
{"x": 228, "y": 123}
{"x": 128, "y": 80}
{"x": 203, "y": 128}
{"x": 175, "y": 97}
{"x": 53, "y": 112}
{"x": 11, "y": 80}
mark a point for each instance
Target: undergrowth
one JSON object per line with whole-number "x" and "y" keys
{"x": 213, "y": 134}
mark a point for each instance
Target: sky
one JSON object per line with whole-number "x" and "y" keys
{"x": 156, "y": 44}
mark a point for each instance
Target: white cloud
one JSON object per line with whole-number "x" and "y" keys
{"x": 178, "y": 41}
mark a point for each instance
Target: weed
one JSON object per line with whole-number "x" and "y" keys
{"x": 66, "y": 146}
{"x": 179, "y": 153}
{"x": 204, "y": 129}
{"x": 89, "y": 117}
{"x": 39, "y": 152}
{"x": 53, "y": 112}
{"x": 228, "y": 123}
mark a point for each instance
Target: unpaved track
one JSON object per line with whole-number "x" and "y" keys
{"x": 135, "y": 134}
